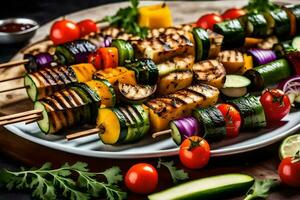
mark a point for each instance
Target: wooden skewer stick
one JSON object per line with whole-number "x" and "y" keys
{"x": 22, "y": 114}
{"x": 20, "y": 119}
{"x": 12, "y": 89}
{"x": 10, "y": 79}
{"x": 154, "y": 135}
{"x": 83, "y": 134}
{"x": 13, "y": 63}
{"x": 33, "y": 120}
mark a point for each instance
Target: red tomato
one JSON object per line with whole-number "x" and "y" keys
{"x": 289, "y": 171}
{"x": 194, "y": 152}
{"x": 87, "y": 26}
{"x": 232, "y": 118}
{"x": 141, "y": 178}
{"x": 276, "y": 104}
{"x": 96, "y": 59}
{"x": 63, "y": 31}
{"x": 208, "y": 21}
{"x": 233, "y": 13}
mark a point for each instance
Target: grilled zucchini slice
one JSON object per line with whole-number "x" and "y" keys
{"x": 136, "y": 94}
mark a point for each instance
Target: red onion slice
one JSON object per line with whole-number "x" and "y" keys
{"x": 262, "y": 56}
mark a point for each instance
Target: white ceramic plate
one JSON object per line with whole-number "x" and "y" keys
{"x": 148, "y": 147}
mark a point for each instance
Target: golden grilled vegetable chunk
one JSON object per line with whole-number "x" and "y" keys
{"x": 215, "y": 44}
{"x": 165, "y": 47}
{"x": 174, "y": 81}
{"x": 180, "y": 104}
{"x": 210, "y": 72}
{"x": 232, "y": 60}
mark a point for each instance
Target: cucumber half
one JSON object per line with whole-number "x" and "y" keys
{"x": 45, "y": 124}
{"x": 31, "y": 87}
{"x": 207, "y": 188}
{"x": 235, "y": 86}
{"x": 296, "y": 43}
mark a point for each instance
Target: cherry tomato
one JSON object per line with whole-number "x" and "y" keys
{"x": 208, "y": 21}
{"x": 87, "y": 26}
{"x": 276, "y": 104}
{"x": 194, "y": 152}
{"x": 141, "y": 178}
{"x": 232, "y": 118}
{"x": 96, "y": 59}
{"x": 289, "y": 171}
{"x": 233, "y": 13}
{"x": 63, "y": 31}
{"x": 110, "y": 56}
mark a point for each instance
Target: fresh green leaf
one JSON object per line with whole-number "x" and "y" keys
{"x": 113, "y": 175}
{"x": 176, "y": 174}
{"x": 46, "y": 182}
{"x": 127, "y": 18}
{"x": 257, "y": 6}
{"x": 261, "y": 189}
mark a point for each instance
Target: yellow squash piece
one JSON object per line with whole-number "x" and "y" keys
{"x": 109, "y": 124}
{"x": 155, "y": 16}
{"x": 248, "y": 64}
{"x": 174, "y": 81}
{"x": 84, "y": 71}
{"x": 117, "y": 75}
{"x": 105, "y": 91}
{"x": 180, "y": 104}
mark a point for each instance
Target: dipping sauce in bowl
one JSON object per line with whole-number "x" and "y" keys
{"x": 16, "y": 30}
{"x": 14, "y": 27}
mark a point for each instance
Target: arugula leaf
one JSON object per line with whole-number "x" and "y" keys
{"x": 261, "y": 189}
{"x": 176, "y": 174}
{"x": 127, "y": 18}
{"x": 46, "y": 182}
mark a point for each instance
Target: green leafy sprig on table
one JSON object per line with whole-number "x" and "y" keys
{"x": 127, "y": 18}
{"x": 261, "y": 189}
{"x": 46, "y": 183}
{"x": 258, "y": 6}
{"x": 176, "y": 174}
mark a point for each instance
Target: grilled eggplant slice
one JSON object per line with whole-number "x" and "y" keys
{"x": 165, "y": 47}
{"x": 232, "y": 60}
{"x": 210, "y": 72}
{"x": 176, "y": 64}
{"x": 74, "y": 52}
{"x": 174, "y": 81}
{"x": 136, "y": 94}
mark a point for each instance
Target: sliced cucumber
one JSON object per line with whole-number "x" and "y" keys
{"x": 296, "y": 43}
{"x": 176, "y": 136}
{"x": 125, "y": 50}
{"x": 252, "y": 112}
{"x": 144, "y": 115}
{"x": 45, "y": 124}
{"x": 132, "y": 126}
{"x": 31, "y": 87}
{"x": 207, "y": 188}
{"x": 235, "y": 86}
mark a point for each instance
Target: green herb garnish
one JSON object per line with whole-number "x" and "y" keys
{"x": 257, "y": 6}
{"x": 261, "y": 189}
{"x": 127, "y": 18}
{"x": 176, "y": 174}
{"x": 47, "y": 183}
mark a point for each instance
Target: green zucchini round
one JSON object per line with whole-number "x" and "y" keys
{"x": 125, "y": 50}
{"x": 202, "y": 43}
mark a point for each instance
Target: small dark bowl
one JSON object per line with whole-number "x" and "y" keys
{"x": 20, "y": 36}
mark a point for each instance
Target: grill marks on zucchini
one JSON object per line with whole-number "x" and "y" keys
{"x": 175, "y": 64}
{"x": 210, "y": 72}
{"x": 123, "y": 124}
{"x": 136, "y": 94}
{"x": 180, "y": 104}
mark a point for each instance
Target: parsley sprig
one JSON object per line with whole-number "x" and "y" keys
{"x": 176, "y": 174}
{"x": 46, "y": 183}
{"x": 261, "y": 189}
{"x": 258, "y": 6}
{"x": 127, "y": 18}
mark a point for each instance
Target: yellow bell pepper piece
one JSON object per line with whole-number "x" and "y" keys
{"x": 248, "y": 64}
{"x": 155, "y": 16}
